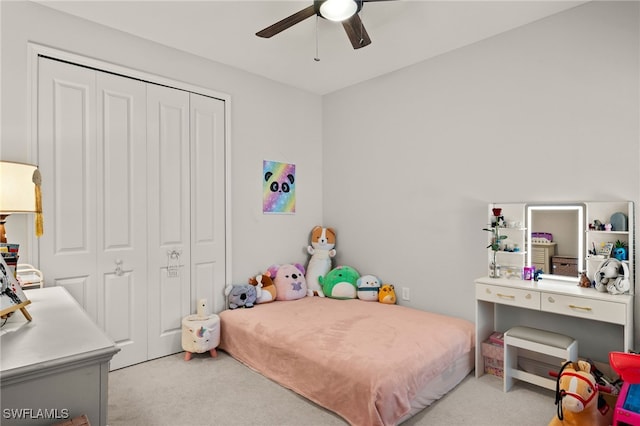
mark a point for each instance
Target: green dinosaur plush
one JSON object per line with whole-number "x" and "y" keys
{"x": 340, "y": 283}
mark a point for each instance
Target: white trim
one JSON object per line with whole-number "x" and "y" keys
{"x": 35, "y": 50}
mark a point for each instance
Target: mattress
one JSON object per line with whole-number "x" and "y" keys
{"x": 370, "y": 363}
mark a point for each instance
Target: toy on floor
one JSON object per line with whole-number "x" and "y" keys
{"x": 323, "y": 241}
{"x": 368, "y": 286}
{"x": 627, "y": 409}
{"x": 340, "y": 283}
{"x": 578, "y": 398}
{"x": 289, "y": 281}
{"x": 241, "y": 295}
{"x": 265, "y": 288}
{"x": 387, "y": 294}
{"x": 200, "y": 332}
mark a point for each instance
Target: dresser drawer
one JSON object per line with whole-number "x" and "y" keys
{"x": 599, "y": 310}
{"x": 508, "y": 296}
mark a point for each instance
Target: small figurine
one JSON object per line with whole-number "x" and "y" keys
{"x": 584, "y": 280}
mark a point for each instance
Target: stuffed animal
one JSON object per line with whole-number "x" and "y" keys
{"x": 612, "y": 276}
{"x": 578, "y": 398}
{"x": 387, "y": 294}
{"x": 241, "y": 295}
{"x": 200, "y": 334}
{"x": 368, "y": 286}
{"x": 265, "y": 288}
{"x": 323, "y": 241}
{"x": 340, "y": 283}
{"x": 584, "y": 280}
{"x": 289, "y": 281}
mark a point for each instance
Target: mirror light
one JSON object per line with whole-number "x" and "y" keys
{"x": 580, "y": 211}
{"x": 338, "y": 10}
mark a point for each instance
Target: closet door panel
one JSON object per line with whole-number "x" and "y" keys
{"x": 207, "y": 195}
{"x": 67, "y": 158}
{"x": 168, "y": 217}
{"x": 122, "y": 216}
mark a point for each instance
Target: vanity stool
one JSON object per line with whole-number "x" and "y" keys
{"x": 541, "y": 341}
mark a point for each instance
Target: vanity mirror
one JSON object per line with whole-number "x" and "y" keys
{"x": 563, "y": 239}
{"x": 555, "y": 242}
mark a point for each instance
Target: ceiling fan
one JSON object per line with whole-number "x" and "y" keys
{"x": 345, "y": 11}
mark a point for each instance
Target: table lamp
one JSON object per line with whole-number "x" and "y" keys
{"x": 19, "y": 193}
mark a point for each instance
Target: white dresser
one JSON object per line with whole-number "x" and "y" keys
{"x": 548, "y": 296}
{"x": 56, "y": 366}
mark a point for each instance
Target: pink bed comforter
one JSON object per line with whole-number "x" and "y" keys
{"x": 362, "y": 360}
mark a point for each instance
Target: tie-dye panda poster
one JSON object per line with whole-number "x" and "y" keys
{"x": 278, "y": 187}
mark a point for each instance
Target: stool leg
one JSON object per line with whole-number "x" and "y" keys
{"x": 187, "y": 356}
{"x": 213, "y": 352}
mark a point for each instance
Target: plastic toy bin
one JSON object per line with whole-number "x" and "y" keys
{"x": 627, "y": 409}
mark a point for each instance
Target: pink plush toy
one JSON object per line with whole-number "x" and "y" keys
{"x": 289, "y": 281}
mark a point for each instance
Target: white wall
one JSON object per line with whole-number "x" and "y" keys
{"x": 268, "y": 121}
{"x": 403, "y": 166}
{"x": 546, "y": 112}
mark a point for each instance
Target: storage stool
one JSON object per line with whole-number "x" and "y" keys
{"x": 200, "y": 334}
{"x": 541, "y": 341}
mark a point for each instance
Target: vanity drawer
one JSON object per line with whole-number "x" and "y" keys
{"x": 508, "y": 296}
{"x": 599, "y": 310}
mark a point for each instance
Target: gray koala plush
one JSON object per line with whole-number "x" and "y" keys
{"x": 241, "y": 295}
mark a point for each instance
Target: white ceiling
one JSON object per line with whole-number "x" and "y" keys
{"x": 402, "y": 32}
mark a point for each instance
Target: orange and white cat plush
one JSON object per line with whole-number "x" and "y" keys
{"x": 266, "y": 289}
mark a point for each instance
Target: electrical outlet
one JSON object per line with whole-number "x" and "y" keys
{"x": 405, "y": 293}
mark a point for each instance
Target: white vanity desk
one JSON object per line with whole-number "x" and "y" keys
{"x": 548, "y": 296}
{"x": 57, "y": 362}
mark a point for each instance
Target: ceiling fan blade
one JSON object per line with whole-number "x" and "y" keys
{"x": 287, "y": 22}
{"x": 356, "y": 32}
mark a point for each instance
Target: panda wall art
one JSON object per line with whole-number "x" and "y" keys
{"x": 278, "y": 187}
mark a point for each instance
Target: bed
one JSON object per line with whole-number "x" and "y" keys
{"x": 371, "y": 363}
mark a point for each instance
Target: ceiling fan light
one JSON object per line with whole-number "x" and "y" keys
{"x": 338, "y": 10}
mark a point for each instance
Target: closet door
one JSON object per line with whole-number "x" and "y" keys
{"x": 92, "y": 154}
{"x": 207, "y": 200}
{"x": 122, "y": 215}
{"x": 67, "y": 161}
{"x": 134, "y": 202}
{"x": 168, "y": 173}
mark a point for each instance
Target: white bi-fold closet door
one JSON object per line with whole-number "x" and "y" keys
{"x": 134, "y": 202}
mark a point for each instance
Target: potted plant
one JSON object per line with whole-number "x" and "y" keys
{"x": 496, "y": 238}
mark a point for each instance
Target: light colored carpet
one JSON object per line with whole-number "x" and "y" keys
{"x": 222, "y": 391}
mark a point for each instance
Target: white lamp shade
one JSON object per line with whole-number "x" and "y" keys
{"x": 338, "y": 10}
{"x": 17, "y": 190}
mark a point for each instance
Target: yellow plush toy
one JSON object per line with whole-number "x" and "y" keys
{"x": 387, "y": 294}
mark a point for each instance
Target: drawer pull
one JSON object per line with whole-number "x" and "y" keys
{"x": 584, "y": 308}
{"x": 528, "y": 296}
{"x": 551, "y": 299}
{"x": 488, "y": 290}
{"x": 506, "y": 296}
